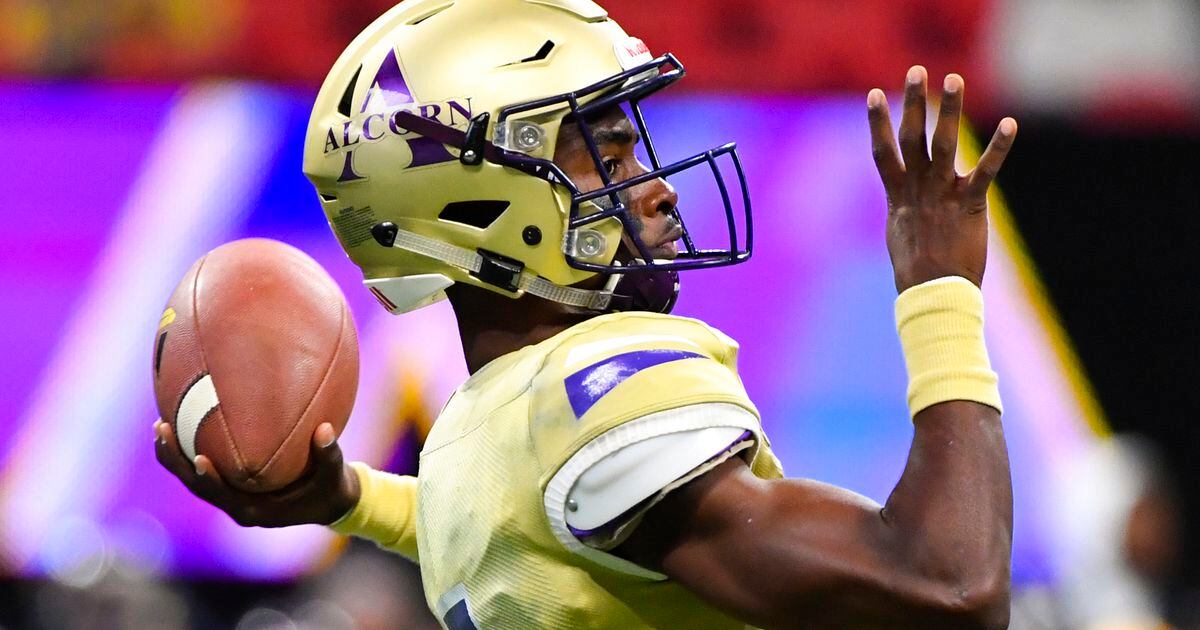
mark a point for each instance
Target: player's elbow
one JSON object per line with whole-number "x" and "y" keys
{"x": 970, "y": 584}
{"x": 981, "y": 602}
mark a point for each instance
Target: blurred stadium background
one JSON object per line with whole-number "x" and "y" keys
{"x": 138, "y": 134}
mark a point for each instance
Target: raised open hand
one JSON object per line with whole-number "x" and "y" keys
{"x": 937, "y": 219}
{"x": 321, "y": 497}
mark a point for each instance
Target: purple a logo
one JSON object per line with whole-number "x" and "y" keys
{"x": 389, "y": 92}
{"x": 389, "y": 84}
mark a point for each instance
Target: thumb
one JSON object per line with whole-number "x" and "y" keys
{"x": 325, "y": 446}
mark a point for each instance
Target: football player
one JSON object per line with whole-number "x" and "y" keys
{"x": 603, "y": 466}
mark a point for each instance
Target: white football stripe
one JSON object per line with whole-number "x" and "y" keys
{"x": 198, "y": 400}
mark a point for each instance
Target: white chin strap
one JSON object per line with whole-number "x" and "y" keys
{"x": 400, "y": 295}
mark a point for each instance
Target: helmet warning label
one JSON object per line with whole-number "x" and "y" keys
{"x": 353, "y": 225}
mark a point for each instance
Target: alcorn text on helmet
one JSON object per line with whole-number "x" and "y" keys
{"x": 431, "y": 142}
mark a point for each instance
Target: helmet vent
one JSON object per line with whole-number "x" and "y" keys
{"x": 345, "y": 105}
{"x": 430, "y": 13}
{"x": 541, "y": 54}
{"x": 480, "y": 214}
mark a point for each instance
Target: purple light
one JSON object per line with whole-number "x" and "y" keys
{"x": 116, "y": 200}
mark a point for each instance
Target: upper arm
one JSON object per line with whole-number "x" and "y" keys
{"x": 614, "y": 479}
{"x": 782, "y": 552}
{"x": 619, "y": 419}
{"x": 600, "y": 494}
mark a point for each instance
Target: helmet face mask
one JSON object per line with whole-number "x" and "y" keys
{"x": 633, "y": 86}
{"x": 465, "y": 189}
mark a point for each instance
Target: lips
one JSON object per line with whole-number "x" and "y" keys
{"x": 675, "y": 234}
{"x": 662, "y": 249}
{"x": 667, "y": 248}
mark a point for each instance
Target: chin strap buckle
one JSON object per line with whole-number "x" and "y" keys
{"x": 499, "y": 271}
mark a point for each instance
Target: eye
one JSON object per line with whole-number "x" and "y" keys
{"x": 611, "y": 165}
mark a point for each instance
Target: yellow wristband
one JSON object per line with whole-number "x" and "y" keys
{"x": 941, "y": 332}
{"x": 386, "y": 513}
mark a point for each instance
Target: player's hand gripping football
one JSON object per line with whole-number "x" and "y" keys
{"x": 320, "y": 497}
{"x": 937, "y": 219}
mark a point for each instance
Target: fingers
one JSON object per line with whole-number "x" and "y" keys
{"x": 945, "y": 135}
{"x": 326, "y": 453}
{"x": 912, "y": 124}
{"x": 883, "y": 143}
{"x": 166, "y": 450}
{"x": 324, "y": 436}
{"x": 993, "y": 158}
{"x": 209, "y": 485}
{"x": 200, "y": 476}
{"x": 207, "y": 475}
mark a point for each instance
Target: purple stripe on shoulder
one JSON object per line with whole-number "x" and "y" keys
{"x": 589, "y": 385}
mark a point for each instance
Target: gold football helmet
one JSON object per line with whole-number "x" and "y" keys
{"x": 431, "y": 146}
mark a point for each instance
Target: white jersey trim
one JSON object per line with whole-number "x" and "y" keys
{"x": 634, "y": 473}
{"x": 606, "y": 489}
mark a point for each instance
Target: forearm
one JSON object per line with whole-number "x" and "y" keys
{"x": 386, "y": 512}
{"x": 952, "y": 508}
{"x": 939, "y": 549}
{"x": 951, "y": 512}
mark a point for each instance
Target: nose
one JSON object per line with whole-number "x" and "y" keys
{"x": 655, "y": 198}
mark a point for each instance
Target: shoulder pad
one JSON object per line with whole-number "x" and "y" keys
{"x": 621, "y": 367}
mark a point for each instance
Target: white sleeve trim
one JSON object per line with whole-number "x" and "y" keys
{"x": 690, "y": 430}
{"x": 636, "y": 472}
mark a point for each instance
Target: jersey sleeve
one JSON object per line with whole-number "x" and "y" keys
{"x": 385, "y": 513}
{"x": 627, "y": 412}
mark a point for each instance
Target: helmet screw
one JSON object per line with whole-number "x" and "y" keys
{"x": 591, "y": 243}
{"x": 468, "y": 155}
{"x": 529, "y": 138}
{"x": 532, "y": 235}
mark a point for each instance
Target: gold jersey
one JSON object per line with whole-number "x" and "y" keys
{"x": 492, "y": 508}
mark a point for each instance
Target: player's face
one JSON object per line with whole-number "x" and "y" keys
{"x": 652, "y": 204}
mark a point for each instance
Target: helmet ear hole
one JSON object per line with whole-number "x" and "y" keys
{"x": 421, "y": 17}
{"x": 480, "y": 214}
{"x": 346, "y": 104}
{"x": 540, "y": 55}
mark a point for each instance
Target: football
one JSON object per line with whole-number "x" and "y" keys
{"x": 255, "y": 349}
